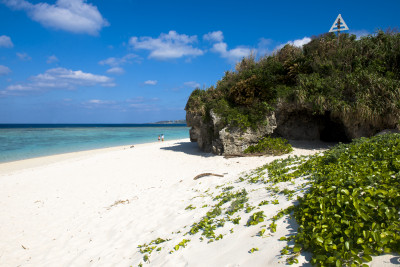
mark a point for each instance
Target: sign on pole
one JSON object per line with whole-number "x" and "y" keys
{"x": 339, "y": 25}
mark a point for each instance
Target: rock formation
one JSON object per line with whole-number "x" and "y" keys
{"x": 328, "y": 90}
{"x": 213, "y": 137}
{"x": 287, "y": 121}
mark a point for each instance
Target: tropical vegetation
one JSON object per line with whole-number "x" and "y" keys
{"x": 271, "y": 146}
{"x": 350, "y": 78}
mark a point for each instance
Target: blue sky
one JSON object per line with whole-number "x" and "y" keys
{"x": 128, "y": 61}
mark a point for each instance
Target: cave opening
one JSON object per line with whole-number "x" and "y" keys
{"x": 332, "y": 131}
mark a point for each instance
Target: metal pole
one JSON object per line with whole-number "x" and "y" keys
{"x": 338, "y": 32}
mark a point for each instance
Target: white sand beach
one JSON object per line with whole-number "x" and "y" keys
{"x": 94, "y": 208}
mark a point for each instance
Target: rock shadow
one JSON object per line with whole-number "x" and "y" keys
{"x": 190, "y": 148}
{"x": 312, "y": 144}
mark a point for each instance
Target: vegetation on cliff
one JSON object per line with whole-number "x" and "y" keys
{"x": 270, "y": 146}
{"x": 350, "y": 79}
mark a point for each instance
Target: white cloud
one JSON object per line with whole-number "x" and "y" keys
{"x": 232, "y": 55}
{"x": 297, "y": 43}
{"x": 216, "y": 36}
{"x": 4, "y": 70}
{"x": 19, "y": 87}
{"x": 52, "y": 59}
{"x": 300, "y": 42}
{"x": 263, "y": 47}
{"x": 116, "y": 70}
{"x": 100, "y": 102}
{"x": 76, "y": 16}
{"x": 151, "y": 82}
{"x": 359, "y": 33}
{"x": 138, "y": 99}
{"x": 115, "y": 61}
{"x": 142, "y": 104}
{"x": 192, "y": 84}
{"x": 167, "y": 46}
{"x": 23, "y": 56}
{"x": 61, "y": 78}
{"x": 221, "y": 47}
{"x": 144, "y": 107}
{"x": 5, "y": 41}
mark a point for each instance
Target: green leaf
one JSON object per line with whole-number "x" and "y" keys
{"x": 367, "y": 258}
{"x": 296, "y": 249}
{"x": 387, "y": 250}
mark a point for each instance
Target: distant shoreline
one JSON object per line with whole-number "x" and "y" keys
{"x": 82, "y": 125}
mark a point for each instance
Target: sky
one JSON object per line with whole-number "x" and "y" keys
{"x": 130, "y": 61}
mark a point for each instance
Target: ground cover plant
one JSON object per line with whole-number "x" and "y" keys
{"x": 230, "y": 208}
{"x": 347, "y": 207}
{"x": 352, "y": 209}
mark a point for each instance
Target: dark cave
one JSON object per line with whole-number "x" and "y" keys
{"x": 332, "y": 131}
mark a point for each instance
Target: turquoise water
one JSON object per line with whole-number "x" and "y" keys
{"x": 29, "y": 141}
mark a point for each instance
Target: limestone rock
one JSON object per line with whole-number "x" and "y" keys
{"x": 389, "y": 131}
{"x": 234, "y": 140}
{"x": 290, "y": 121}
{"x": 213, "y": 136}
{"x": 200, "y": 131}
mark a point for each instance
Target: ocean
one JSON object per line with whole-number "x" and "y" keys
{"x": 24, "y": 141}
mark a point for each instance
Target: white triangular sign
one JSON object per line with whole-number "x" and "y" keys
{"x": 339, "y": 25}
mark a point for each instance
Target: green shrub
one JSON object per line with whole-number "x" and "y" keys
{"x": 355, "y": 78}
{"x": 352, "y": 209}
{"x": 269, "y": 145}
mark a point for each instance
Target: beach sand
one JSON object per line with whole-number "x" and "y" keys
{"x": 94, "y": 208}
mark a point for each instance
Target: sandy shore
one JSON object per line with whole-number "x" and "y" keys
{"x": 94, "y": 208}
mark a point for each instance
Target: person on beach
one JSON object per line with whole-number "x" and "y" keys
{"x": 162, "y": 137}
{"x": 158, "y": 138}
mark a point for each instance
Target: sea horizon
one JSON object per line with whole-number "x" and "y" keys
{"x": 25, "y": 125}
{"x": 25, "y": 141}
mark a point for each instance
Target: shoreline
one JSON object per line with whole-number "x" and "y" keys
{"x": 41, "y": 140}
{"x": 43, "y": 160}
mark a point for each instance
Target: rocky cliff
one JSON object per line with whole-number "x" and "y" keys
{"x": 327, "y": 90}
{"x": 213, "y": 136}
{"x": 288, "y": 121}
